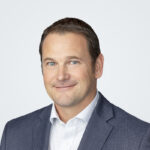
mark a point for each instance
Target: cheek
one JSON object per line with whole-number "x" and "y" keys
{"x": 80, "y": 74}
{"x": 48, "y": 76}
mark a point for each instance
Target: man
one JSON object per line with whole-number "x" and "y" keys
{"x": 80, "y": 118}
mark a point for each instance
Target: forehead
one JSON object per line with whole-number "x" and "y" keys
{"x": 61, "y": 44}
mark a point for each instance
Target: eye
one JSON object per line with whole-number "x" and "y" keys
{"x": 51, "y": 63}
{"x": 73, "y": 62}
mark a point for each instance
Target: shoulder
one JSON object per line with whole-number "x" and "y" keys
{"x": 130, "y": 120}
{"x": 124, "y": 121}
{"x": 28, "y": 119}
{"x": 130, "y": 131}
{"x": 121, "y": 115}
{"x": 134, "y": 129}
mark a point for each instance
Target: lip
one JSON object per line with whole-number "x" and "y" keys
{"x": 66, "y": 87}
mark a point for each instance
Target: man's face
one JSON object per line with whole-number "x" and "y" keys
{"x": 67, "y": 69}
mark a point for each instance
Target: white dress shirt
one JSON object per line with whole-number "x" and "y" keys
{"x": 67, "y": 136}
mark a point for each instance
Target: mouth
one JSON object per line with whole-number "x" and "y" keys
{"x": 64, "y": 87}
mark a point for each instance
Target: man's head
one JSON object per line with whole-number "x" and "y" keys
{"x": 74, "y": 25}
{"x": 70, "y": 69}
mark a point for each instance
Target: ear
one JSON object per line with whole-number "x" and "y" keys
{"x": 42, "y": 67}
{"x": 99, "y": 66}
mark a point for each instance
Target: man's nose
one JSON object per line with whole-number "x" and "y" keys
{"x": 62, "y": 73}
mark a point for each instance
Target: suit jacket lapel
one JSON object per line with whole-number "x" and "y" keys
{"x": 98, "y": 128}
{"x": 41, "y": 130}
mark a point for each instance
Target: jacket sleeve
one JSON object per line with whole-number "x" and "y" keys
{"x": 145, "y": 144}
{"x": 3, "y": 140}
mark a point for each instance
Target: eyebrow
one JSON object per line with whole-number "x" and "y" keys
{"x": 73, "y": 57}
{"x": 48, "y": 58}
{"x": 68, "y": 57}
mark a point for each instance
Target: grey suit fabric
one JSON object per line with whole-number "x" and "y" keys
{"x": 109, "y": 128}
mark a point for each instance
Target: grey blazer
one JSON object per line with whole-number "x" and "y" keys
{"x": 109, "y": 128}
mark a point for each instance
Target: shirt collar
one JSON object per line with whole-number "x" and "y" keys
{"x": 84, "y": 115}
{"x": 54, "y": 114}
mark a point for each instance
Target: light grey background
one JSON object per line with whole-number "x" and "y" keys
{"x": 123, "y": 27}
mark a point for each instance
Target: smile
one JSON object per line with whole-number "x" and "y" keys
{"x": 66, "y": 87}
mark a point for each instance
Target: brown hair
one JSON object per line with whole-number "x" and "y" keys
{"x": 76, "y": 26}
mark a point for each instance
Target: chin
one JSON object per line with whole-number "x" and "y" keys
{"x": 67, "y": 102}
